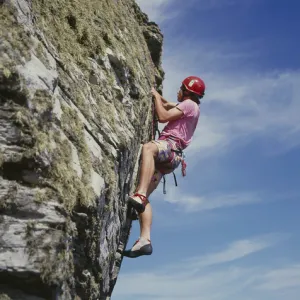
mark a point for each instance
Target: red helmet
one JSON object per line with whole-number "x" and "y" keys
{"x": 195, "y": 85}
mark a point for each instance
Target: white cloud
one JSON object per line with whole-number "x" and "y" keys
{"x": 157, "y": 9}
{"x": 152, "y": 285}
{"x": 189, "y": 280}
{"x": 162, "y": 10}
{"x": 238, "y": 250}
{"x": 193, "y": 203}
{"x": 282, "y": 278}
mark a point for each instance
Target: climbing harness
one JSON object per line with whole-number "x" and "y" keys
{"x": 180, "y": 152}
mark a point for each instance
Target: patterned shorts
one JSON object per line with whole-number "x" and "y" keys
{"x": 167, "y": 160}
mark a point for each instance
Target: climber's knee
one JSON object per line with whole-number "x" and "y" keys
{"x": 150, "y": 149}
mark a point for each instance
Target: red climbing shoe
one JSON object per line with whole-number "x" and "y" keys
{"x": 141, "y": 247}
{"x": 138, "y": 201}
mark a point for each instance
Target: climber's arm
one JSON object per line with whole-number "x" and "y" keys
{"x": 166, "y": 104}
{"x": 172, "y": 114}
{"x": 163, "y": 114}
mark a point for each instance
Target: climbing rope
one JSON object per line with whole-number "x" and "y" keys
{"x": 154, "y": 122}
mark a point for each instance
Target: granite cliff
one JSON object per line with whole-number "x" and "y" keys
{"x": 75, "y": 107}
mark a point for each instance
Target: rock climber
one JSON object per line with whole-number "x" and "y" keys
{"x": 164, "y": 155}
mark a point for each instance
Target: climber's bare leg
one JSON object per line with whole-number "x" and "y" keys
{"x": 143, "y": 245}
{"x": 146, "y": 217}
{"x": 149, "y": 153}
{"x": 139, "y": 199}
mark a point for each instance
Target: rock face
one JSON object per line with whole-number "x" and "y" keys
{"x": 75, "y": 106}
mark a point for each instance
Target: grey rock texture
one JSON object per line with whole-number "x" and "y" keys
{"x": 75, "y": 107}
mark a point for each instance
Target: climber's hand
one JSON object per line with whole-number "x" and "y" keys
{"x": 155, "y": 93}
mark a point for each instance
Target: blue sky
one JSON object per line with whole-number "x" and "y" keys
{"x": 230, "y": 231}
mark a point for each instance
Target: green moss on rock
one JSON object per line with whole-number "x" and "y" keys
{"x": 16, "y": 43}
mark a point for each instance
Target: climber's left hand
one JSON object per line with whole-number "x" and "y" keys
{"x": 155, "y": 93}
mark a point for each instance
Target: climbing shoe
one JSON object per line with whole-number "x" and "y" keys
{"x": 141, "y": 247}
{"x": 138, "y": 202}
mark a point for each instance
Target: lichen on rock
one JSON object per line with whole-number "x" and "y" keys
{"x": 75, "y": 106}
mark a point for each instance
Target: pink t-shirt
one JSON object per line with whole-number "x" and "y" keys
{"x": 184, "y": 127}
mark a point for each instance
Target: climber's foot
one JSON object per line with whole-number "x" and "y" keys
{"x": 138, "y": 201}
{"x": 141, "y": 247}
